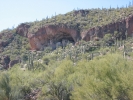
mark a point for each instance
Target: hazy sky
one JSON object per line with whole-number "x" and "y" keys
{"x": 14, "y": 12}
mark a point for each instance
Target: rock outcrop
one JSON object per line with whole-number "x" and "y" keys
{"x": 49, "y": 35}
{"x": 22, "y": 29}
{"x": 122, "y": 26}
{"x": 7, "y": 63}
{"x": 81, "y": 12}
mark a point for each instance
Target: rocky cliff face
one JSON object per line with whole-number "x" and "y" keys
{"x": 50, "y": 35}
{"x": 122, "y": 26}
{"x": 23, "y": 29}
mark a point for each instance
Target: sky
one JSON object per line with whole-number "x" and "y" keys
{"x": 15, "y": 12}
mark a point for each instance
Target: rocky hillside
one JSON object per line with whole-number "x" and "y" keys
{"x": 77, "y": 25}
{"x": 49, "y": 35}
{"x": 59, "y": 30}
{"x": 81, "y": 55}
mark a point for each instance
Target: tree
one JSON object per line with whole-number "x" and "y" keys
{"x": 5, "y": 87}
{"x": 108, "y": 39}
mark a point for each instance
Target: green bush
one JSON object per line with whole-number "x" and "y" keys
{"x": 106, "y": 79}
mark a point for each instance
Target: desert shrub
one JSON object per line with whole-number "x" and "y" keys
{"x": 6, "y": 90}
{"x": 104, "y": 80}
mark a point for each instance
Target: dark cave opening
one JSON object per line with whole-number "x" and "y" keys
{"x": 60, "y": 39}
{"x": 63, "y": 36}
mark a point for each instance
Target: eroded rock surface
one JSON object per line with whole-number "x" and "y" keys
{"x": 52, "y": 35}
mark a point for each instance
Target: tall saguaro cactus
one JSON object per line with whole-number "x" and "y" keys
{"x": 30, "y": 61}
{"x": 126, "y": 34}
{"x": 124, "y": 51}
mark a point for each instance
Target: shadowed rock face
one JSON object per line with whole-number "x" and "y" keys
{"x": 22, "y": 29}
{"x": 101, "y": 31}
{"x": 7, "y": 63}
{"x": 51, "y": 34}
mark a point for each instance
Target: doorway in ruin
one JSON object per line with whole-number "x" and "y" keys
{"x": 62, "y": 39}
{"x": 63, "y": 36}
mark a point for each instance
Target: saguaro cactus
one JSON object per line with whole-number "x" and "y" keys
{"x": 126, "y": 34}
{"x": 92, "y": 56}
{"x": 30, "y": 61}
{"x": 124, "y": 51}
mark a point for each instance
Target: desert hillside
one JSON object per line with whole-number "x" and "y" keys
{"x": 85, "y": 54}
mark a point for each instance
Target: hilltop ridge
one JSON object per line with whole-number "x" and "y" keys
{"x": 80, "y": 25}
